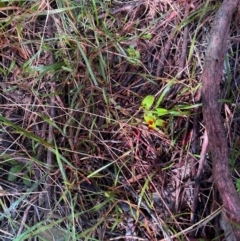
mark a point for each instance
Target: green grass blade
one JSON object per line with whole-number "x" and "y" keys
{"x": 24, "y": 132}
{"x": 166, "y": 89}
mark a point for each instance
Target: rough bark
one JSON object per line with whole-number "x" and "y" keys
{"x": 211, "y": 77}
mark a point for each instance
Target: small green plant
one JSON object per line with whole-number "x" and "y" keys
{"x": 147, "y": 36}
{"x": 153, "y": 113}
{"x": 134, "y": 55}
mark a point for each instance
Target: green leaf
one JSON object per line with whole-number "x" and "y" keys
{"x": 11, "y": 177}
{"x": 178, "y": 113}
{"x": 187, "y": 107}
{"x": 161, "y": 111}
{"x": 147, "y": 102}
{"x": 16, "y": 169}
{"x": 160, "y": 122}
{"x": 13, "y": 170}
{"x": 238, "y": 185}
{"x": 26, "y": 180}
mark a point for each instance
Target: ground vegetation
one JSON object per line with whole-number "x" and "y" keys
{"x": 106, "y": 132}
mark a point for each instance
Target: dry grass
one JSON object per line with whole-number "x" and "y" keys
{"x": 77, "y": 160}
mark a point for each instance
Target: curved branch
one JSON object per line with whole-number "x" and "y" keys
{"x": 211, "y": 77}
